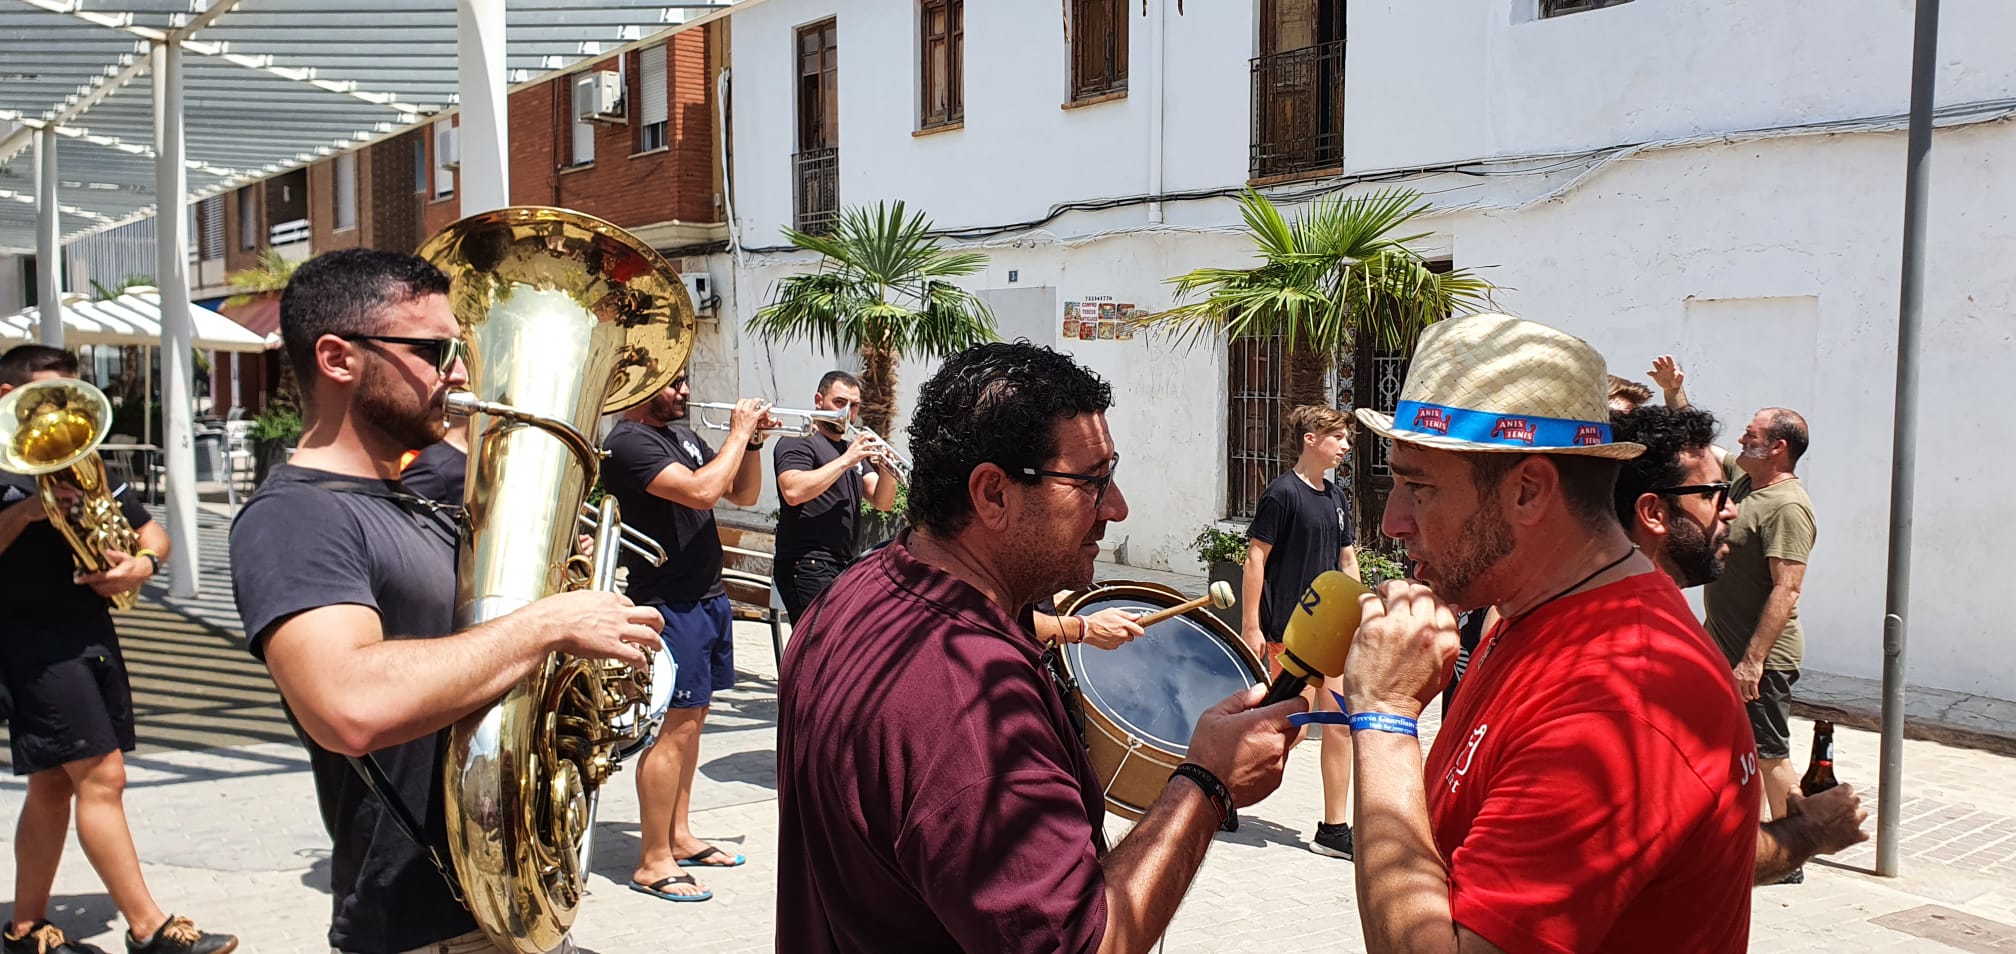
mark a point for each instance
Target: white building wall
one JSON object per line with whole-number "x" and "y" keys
{"x": 1460, "y": 80}
{"x": 1770, "y": 266}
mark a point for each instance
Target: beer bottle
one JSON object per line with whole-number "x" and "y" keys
{"x": 1820, "y": 772}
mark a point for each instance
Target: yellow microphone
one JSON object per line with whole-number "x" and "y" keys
{"x": 1318, "y": 636}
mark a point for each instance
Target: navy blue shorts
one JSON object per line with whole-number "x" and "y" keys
{"x": 702, "y": 644}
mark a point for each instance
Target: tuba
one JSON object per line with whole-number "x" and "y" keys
{"x": 50, "y": 430}
{"x": 566, "y": 318}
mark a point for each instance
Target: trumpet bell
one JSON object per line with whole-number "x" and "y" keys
{"x": 47, "y": 426}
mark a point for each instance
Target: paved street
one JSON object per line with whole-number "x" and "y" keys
{"x": 224, "y": 814}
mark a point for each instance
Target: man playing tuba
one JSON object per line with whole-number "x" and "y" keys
{"x": 72, "y": 715}
{"x": 347, "y": 586}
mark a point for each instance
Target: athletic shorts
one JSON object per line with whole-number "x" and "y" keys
{"x": 68, "y": 710}
{"x": 1771, "y": 713}
{"x": 702, "y": 645}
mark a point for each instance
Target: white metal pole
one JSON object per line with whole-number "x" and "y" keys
{"x": 171, "y": 231}
{"x": 48, "y": 239}
{"x": 485, "y": 179}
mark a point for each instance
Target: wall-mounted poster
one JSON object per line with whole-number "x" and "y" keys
{"x": 1108, "y": 328}
{"x": 1071, "y": 327}
{"x": 1088, "y": 330}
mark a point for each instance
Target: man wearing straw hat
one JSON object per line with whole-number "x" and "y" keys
{"x": 1594, "y": 785}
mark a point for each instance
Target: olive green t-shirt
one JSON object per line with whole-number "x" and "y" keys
{"x": 1774, "y": 521}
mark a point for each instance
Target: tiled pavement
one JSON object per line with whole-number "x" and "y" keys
{"x": 224, "y": 815}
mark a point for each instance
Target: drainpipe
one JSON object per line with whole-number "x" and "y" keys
{"x": 1155, "y": 122}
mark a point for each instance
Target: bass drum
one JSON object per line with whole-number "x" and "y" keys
{"x": 1142, "y": 700}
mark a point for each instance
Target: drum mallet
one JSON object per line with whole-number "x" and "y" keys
{"x": 1220, "y": 596}
{"x": 1318, "y": 636}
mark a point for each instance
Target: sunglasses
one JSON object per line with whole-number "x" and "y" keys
{"x": 440, "y": 352}
{"x": 1719, "y": 488}
{"x": 1098, "y": 482}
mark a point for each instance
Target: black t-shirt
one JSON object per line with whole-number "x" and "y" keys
{"x": 1308, "y": 529}
{"x": 437, "y": 473}
{"x": 637, "y": 452}
{"x": 824, "y": 524}
{"x": 49, "y": 616}
{"x": 299, "y": 545}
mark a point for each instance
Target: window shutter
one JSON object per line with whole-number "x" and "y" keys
{"x": 211, "y": 211}
{"x": 346, "y": 191}
{"x": 651, "y": 84}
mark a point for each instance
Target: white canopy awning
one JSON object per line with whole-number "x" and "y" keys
{"x": 133, "y": 318}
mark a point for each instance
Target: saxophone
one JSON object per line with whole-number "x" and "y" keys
{"x": 566, "y": 318}
{"x": 50, "y": 430}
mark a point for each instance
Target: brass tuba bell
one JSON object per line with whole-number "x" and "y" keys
{"x": 50, "y": 430}
{"x": 566, "y": 318}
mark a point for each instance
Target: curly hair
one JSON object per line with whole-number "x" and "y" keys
{"x": 993, "y": 403}
{"x": 1665, "y": 432}
{"x": 344, "y": 293}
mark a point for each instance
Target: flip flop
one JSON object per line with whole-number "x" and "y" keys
{"x": 700, "y": 860}
{"x": 656, "y": 889}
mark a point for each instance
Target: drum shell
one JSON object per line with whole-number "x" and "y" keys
{"x": 1133, "y": 771}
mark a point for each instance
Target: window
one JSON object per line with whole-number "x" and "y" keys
{"x": 1298, "y": 88}
{"x": 447, "y": 157}
{"x": 1557, "y": 8}
{"x": 651, "y": 113}
{"x": 582, "y": 138}
{"x": 816, "y": 166}
{"x": 210, "y": 219}
{"x": 1098, "y": 47}
{"x": 346, "y": 191}
{"x": 943, "y": 23}
{"x": 248, "y": 217}
{"x": 420, "y": 164}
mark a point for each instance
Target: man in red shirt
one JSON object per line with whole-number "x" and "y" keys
{"x": 1594, "y": 786}
{"x": 933, "y": 794}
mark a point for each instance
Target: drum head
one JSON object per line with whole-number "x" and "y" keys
{"x": 1156, "y": 686}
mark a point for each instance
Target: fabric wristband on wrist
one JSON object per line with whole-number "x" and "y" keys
{"x": 1385, "y": 722}
{"x": 1215, "y": 790}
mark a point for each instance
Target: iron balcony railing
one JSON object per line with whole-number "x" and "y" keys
{"x": 1298, "y": 110}
{"x": 817, "y": 201}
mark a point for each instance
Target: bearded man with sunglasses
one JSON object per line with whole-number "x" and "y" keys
{"x": 932, "y": 792}
{"x": 1676, "y": 507}
{"x": 345, "y": 582}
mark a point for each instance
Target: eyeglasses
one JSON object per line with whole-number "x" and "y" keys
{"x": 1719, "y": 488}
{"x": 1098, "y": 482}
{"x": 442, "y": 352}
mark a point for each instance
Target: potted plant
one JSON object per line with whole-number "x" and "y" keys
{"x": 875, "y": 527}
{"x": 273, "y": 432}
{"x": 1378, "y": 566}
{"x": 1223, "y": 553}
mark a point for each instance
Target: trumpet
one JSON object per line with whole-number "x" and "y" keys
{"x": 803, "y": 429}
{"x": 893, "y": 458}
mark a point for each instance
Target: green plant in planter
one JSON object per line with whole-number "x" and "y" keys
{"x": 275, "y": 424}
{"x": 1377, "y": 566}
{"x": 1214, "y": 546}
{"x": 897, "y": 509}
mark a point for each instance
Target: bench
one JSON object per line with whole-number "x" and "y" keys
{"x": 748, "y": 569}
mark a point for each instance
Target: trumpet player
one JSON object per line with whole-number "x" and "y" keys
{"x": 71, "y": 719}
{"x": 345, "y": 581}
{"x": 667, "y": 479}
{"x": 821, "y": 480}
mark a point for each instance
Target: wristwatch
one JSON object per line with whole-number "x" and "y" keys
{"x": 153, "y": 560}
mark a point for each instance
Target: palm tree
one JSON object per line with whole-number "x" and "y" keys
{"x": 1332, "y": 277}
{"x": 883, "y": 290}
{"x": 268, "y": 279}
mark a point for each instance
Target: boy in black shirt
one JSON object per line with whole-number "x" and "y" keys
{"x": 1301, "y": 529}
{"x": 821, "y": 480}
{"x": 70, "y": 717}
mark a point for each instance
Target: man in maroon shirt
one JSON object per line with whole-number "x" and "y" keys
{"x": 933, "y": 794}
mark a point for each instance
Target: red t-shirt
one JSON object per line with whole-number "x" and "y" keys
{"x": 932, "y": 795}
{"x": 1594, "y": 787}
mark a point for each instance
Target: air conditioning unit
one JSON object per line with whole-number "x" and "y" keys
{"x": 700, "y": 290}
{"x": 598, "y": 97}
{"x": 447, "y": 146}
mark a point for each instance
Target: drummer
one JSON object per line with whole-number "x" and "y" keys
{"x": 1109, "y": 628}
{"x": 932, "y": 794}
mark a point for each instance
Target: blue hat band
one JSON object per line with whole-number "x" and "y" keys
{"x": 1490, "y": 427}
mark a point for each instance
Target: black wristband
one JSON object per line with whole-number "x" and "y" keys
{"x": 1215, "y": 790}
{"x": 755, "y": 445}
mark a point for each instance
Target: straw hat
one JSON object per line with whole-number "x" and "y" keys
{"x": 1498, "y": 384}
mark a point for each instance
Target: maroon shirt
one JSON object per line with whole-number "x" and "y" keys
{"x": 933, "y": 796}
